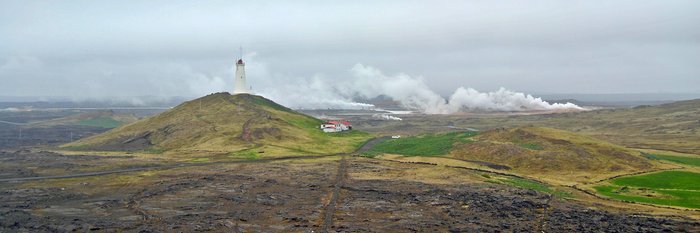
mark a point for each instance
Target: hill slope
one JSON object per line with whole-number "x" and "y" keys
{"x": 552, "y": 154}
{"x": 224, "y": 123}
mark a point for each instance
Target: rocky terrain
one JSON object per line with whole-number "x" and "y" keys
{"x": 297, "y": 195}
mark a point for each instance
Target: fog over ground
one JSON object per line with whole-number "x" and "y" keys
{"x": 460, "y": 51}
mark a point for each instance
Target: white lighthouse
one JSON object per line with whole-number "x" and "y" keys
{"x": 240, "y": 84}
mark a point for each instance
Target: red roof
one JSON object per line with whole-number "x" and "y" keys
{"x": 346, "y": 123}
{"x": 332, "y": 122}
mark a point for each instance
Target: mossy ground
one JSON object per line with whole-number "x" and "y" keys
{"x": 687, "y": 160}
{"x": 673, "y": 188}
{"x": 424, "y": 145}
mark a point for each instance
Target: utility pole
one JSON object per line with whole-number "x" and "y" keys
{"x": 71, "y": 136}
{"x": 20, "y": 132}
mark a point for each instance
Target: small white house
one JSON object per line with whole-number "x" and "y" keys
{"x": 335, "y": 126}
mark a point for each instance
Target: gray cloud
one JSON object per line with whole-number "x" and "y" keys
{"x": 92, "y": 49}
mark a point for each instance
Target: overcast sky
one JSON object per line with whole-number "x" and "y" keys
{"x": 169, "y": 48}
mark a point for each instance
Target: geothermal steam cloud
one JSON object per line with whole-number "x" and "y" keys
{"x": 384, "y": 116}
{"x": 411, "y": 92}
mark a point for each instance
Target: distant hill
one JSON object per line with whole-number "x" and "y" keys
{"x": 552, "y": 154}
{"x": 673, "y": 126}
{"x": 102, "y": 119}
{"x": 223, "y": 122}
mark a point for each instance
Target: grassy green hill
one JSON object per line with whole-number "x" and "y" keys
{"x": 549, "y": 154}
{"x": 225, "y": 123}
{"x": 552, "y": 153}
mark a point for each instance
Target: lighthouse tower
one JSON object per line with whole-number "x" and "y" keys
{"x": 240, "y": 85}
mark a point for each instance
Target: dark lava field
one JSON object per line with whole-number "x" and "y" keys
{"x": 297, "y": 195}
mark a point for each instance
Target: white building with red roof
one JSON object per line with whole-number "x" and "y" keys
{"x": 335, "y": 126}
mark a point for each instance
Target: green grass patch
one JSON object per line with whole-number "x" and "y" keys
{"x": 305, "y": 122}
{"x": 531, "y": 146}
{"x": 676, "y": 159}
{"x": 662, "y": 180}
{"x": 245, "y": 154}
{"x": 527, "y": 184}
{"x": 426, "y": 145}
{"x": 103, "y": 122}
{"x": 673, "y": 188}
{"x": 689, "y": 199}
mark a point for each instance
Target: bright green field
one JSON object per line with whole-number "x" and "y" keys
{"x": 426, "y": 145}
{"x": 674, "y": 188}
{"x": 663, "y": 180}
{"x": 676, "y": 159}
{"x": 104, "y": 122}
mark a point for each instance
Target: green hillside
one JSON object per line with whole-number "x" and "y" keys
{"x": 552, "y": 154}
{"x": 549, "y": 154}
{"x": 223, "y": 122}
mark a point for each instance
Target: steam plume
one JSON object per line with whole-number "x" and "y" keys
{"x": 411, "y": 92}
{"x": 384, "y": 116}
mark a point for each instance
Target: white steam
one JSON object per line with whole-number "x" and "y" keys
{"x": 411, "y": 92}
{"x": 385, "y": 116}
